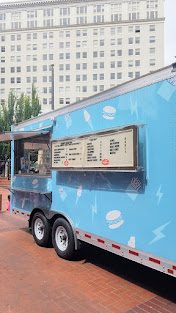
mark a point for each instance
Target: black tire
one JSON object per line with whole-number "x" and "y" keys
{"x": 42, "y": 237}
{"x": 64, "y": 247}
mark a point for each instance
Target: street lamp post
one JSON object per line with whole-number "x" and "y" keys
{"x": 52, "y": 87}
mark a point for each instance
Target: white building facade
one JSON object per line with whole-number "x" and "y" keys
{"x": 93, "y": 45}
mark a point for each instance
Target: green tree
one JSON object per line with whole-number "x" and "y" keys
{"x": 19, "y": 110}
{"x": 11, "y": 107}
{"x": 27, "y": 108}
{"x": 35, "y": 103}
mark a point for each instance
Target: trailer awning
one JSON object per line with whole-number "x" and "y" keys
{"x": 8, "y": 136}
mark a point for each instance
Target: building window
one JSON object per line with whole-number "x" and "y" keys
{"x": 119, "y": 41}
{"x": 94, "y": 88}
{"x": 101, "y": 64}
{"x": 137, "y": 51}
{"x": 2, "y": 80}
{"x": 95, "y": 76}
{"x": 61, "y": 79}
{"x": 137, "y": 74}
{"x": 18, "y": 80}
{"x": 151, "y": 28}
{"x": 101, "y": 88}
{"x": 130, "y": 74}
{"x": 28, "y": 80}
{"x": 119, "y": 75}
{"x": 101, "y": 43}
{"x": 3, "y": 49}
{"x": 101, "y": 76}
{"x": 12, "y": 69}
{"x": 2, "y": 70}
{"x": 137, "y": 40}
{"x": 78, "y": 78}
{"x": 67, "y": 67}
{"x": 112, "y": 76}
{"x": 152, "y": 39}
{"x": 152, "y": 62}
{"x": 18, "y": 69}
{"x": 112, "y": 64}
{"x": 95, "y": 32}
{"x": 61, "y": 100}
{"x": 44, "y": 101}
{"x": 119, "y": 53}
{"x": 84, "y": 55}
{"x": 84, "y": 88}
{"x": 101, "y": 54}
{"x": 84, "y": 66}
{"x": 130, "y": 63}
{"x": 152, "y": 50}
{"x": 95, "y": 54}
{"x": 12, "y": 80}
{"x": 112, "y": 53}
{"x": 130, "y": 41}
{"x": 130, "y": 51}
{"x": 137, "y": 63}
{"x": 119, "y": 63}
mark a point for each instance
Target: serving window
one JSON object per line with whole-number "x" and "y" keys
{"x": 33, "y": 156}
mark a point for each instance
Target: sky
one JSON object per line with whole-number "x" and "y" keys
{"x": 169, "y": 33}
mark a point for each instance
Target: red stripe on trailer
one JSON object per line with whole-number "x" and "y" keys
{"x": 77, "y": 232}
{"x": 13, "y": 210}
{"x": 174, "y": 267}
{"x": 133, "y": 252}
{"x": 22, "y": 212}
{"x": 17, "y": 211}
{"x": 88, "y": 236}
{"x": 154, "y": 260}
{"x": 100, "y": 240}
{"x": 170, "y": 271}
{"x": 28, "y": 214}
{"x": 115, "y": 246}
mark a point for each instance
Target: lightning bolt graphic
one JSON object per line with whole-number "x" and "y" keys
{"x": 158, "y": 233}
{"x": 159, "y": 194}
{"x": 94, "y": 210}
{"x": 134, "y": 107}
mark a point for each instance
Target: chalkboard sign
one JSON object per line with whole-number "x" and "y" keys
{"x": 112, "y": 149}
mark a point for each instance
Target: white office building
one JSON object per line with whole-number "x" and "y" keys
{"x": 93, "y": 45}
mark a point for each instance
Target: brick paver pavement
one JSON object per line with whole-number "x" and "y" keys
{"x": 36, "y": 280}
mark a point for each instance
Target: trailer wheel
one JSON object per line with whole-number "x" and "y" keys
{"x": 63, "y": 239}
{"x": 41, "y": 230}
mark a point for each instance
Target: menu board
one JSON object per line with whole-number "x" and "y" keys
{"x": 67, "y": 153}
{"x": 115, "y": 149}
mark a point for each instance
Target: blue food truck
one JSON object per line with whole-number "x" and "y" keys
{"x": 103, "y": 171}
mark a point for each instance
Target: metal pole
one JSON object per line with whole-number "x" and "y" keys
{"x": 52, "y": 87}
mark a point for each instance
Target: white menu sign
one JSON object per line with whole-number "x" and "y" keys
{"x": 104, "y": 150}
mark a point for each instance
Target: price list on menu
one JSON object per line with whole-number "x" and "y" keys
{"x": 111, "y": 149}
{"x": 67, "y": 153}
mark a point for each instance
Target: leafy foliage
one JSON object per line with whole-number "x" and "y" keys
{"x": 15, "y": 111}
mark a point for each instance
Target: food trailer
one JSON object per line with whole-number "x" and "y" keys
{"x": 103, "y": 171}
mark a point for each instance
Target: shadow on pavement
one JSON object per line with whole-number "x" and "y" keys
{"x": 154, "y": 281}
